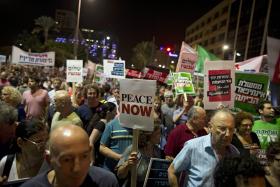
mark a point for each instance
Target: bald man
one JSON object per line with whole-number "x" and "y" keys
{"x": 200, "y": 156}
{"x": 70, "y": 156}
{"x": 64, "y": 110}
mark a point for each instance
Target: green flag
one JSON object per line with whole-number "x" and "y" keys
{"x": 203, "y": 55}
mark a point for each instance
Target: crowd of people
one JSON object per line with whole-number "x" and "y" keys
{"x": 53, "y": 133}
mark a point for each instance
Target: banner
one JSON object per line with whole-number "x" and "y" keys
{"x": 183, "y": 83}
{"x": 2, "y": 59}
{"x": 114, "y": 69}
{"x": 273, "y": 51}
{"x": 250, "y": 88}
{"x": 136, "y": 103}
{"x": 37, "y": 59}
{"x": 251, "y": 65}
{"x": 218, "y": 84}
{"x": 74, "y": 71}
{"x": 187, "y": 59}
{"x": 133, "y": 73}
{"x": 203, "y": 55}
{"x": 155, "y": 75}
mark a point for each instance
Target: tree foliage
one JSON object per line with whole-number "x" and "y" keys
{"x": 143, "y": 54}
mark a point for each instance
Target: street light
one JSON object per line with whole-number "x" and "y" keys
{"x": 235, "y": 53}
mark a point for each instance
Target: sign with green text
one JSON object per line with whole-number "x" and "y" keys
{"x": 250, "y": 88}
{"x": 183, "y": 83}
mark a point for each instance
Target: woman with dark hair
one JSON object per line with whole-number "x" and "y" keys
{"x": 244, "y": 139}
{"x": 148, "y": 148}
{"x": 105, "y": 113}
{"x": 31, "y": 139}
{"x": 273, "y": 169}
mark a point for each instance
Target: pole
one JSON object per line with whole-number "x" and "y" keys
{"x": 234, "y": 56}
{"x": 77, "y": 32}
{"x": 249, "y": 31}
{"x": 265, "y": 27}
{"x": 237, "y": 25}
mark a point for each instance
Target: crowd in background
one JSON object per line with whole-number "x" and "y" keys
{"x": 205, "y": 148}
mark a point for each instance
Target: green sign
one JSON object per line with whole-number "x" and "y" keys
{"x": 169, "y": 80}
{"x": 98, "y": 73}
{"x": 183, "y": 83}
{"x": 250, "y": 88}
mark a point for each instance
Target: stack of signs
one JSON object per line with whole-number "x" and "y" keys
{"x": 74, "y": 71}
{"x": 183, "y": 83}
{"x": 136, "y": 103}
{"x": 114, "y": 69}
{"x": 250, "y": 88}
{"x": 218, "y": 84}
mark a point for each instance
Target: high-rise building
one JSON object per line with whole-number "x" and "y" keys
{"x": 240, "y": 24}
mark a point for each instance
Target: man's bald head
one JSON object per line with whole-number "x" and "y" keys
{"x": 61, "y": 94}
{"x": 66, "y": 135}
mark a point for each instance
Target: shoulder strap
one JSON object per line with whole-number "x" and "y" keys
{"x": 8, "y": 165}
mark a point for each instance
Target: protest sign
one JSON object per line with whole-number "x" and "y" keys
{"x": 273, "y": 51}
{"x": 183, "y": 83}
{"x": 37, "y": 59}
{"x": 250, "y": 88}
{"x": 157, "y": 174}
{"x": 218, "y": 84}
{"x": 114, "y": 68}
{"x": 99, "y": 77}
{"x": 252, "y": 65}
{"x": 74, "y": 71}
{"x": 187, "y": 59}
{"x": 155, "y": 75}
{"x": 2, "y": 58}
{"x": 133, "y": 73}
{"x": 169, "y": 80}
{"x": 136, "y": 103}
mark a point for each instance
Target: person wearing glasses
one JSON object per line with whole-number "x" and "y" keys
{"x": 31, "y": 137}
{"x": 69, "y": 154}
{"x": 199, "y": 156}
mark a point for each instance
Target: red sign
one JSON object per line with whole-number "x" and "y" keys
{"x": 155, "y": 75}
{"x": 133, "y": 73}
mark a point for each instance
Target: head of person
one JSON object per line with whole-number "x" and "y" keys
{"x": 184, "y": 102}
{"x": 273, "y": 156}
{"x": 221, "y": 126}
{"x": 57, "y": 83}
{"x": 265, "y": 109}
{"x": 8, "y": 118}
{"x": 197, "y": 117}
{"x": 244, "y": 123}
{"x": 107, "y": 111}
{"x": 107, "y": 88}
{"x": 62, "y": 101}
{"x": 11, "y": 96}
{"x": 33, "y": 82}
{"x": 69, "y": 154}
{"x": 91, "y": 92}
{"x": 157, "y": 103}
{"x": 239, "y": 171}
{"x": 32, "y": 136}
{"x": 4, "y": 75}
{"x": 146, "y": 137}
{"x": 161, "y": 90}
{"x": 116, "y": 94}
{"x": 168, "y": 97}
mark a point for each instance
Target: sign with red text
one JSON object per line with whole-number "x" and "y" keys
{"x": 133, "y": 73}
{"x": 74, "y": 71}
{"x": 219, "y": 84}
{"x": 136, "y": 103}
{"x": 155, "y": 75}
{"x": 187, "y": 59}
{"x": 37, "y": 59}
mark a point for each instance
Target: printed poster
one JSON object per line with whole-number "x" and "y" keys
{"x": 219, "y": 84}
{"x": 74, "y": 71}
{"x": 136, "y": 103}
{"x": 250, "y": 88}
{"x": 187, "y": 59}
{"x": 183, "y": 83}
{"x": 114, "y": 69}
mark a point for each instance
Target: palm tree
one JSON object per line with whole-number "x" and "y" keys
{"x": 142, "y": 54}
{"x": 44, "y": 24}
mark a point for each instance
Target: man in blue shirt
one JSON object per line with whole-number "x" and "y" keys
{"x": 200, "y": 156}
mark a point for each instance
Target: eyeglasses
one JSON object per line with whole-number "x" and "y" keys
{"x": 39, "y": 145}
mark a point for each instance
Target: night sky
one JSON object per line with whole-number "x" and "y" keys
{"x": 132, "y": 21}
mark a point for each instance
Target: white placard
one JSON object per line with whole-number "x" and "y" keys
{"x": 37, "y": 59}
{"x": 114, "y": 68}
{"x": 74, "y": 71}
{"x": 136, "y": 103}
{"x": 2, "y": 58}
{"x": 219, "y": 84}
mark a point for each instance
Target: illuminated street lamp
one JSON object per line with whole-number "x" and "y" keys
{"x": 235, "y": 53}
